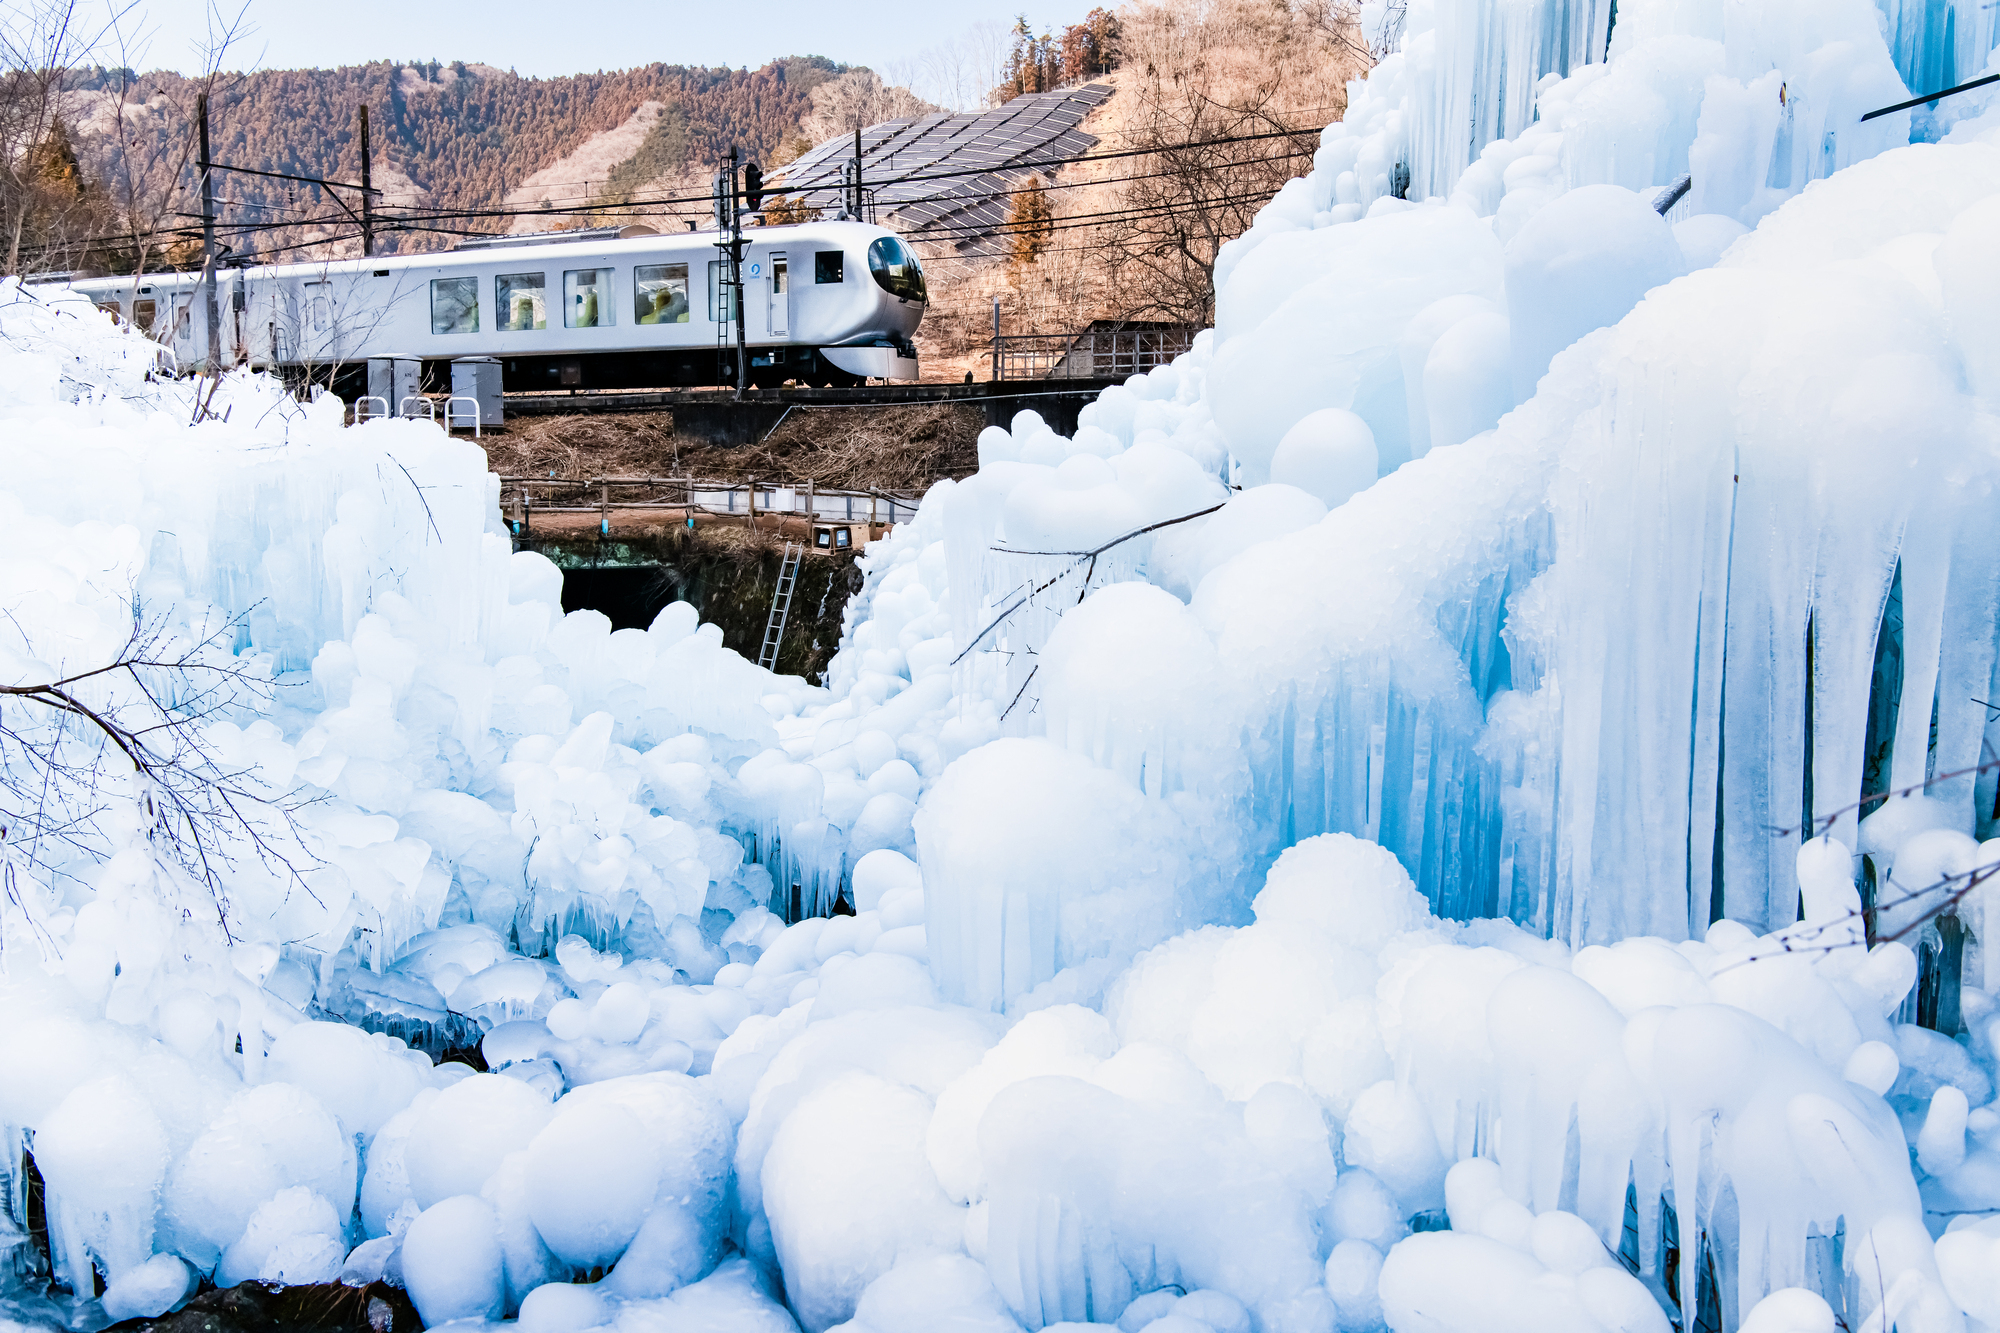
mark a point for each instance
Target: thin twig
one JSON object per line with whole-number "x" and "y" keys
{"x": 1082, "y": 558}
{"x": 422, "y": 498}
{"x": 1023, "y": 690}
{"x": 1828, "y": 819}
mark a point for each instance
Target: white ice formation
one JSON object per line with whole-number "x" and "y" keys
{"x": 1429, "y": 903}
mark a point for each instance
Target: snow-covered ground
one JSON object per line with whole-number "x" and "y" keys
{"x": 1363, "y": 903}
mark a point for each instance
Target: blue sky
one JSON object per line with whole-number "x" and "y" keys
{"x": 543, "y": 39}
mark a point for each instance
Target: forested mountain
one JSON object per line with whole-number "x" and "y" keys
{"x": 444, "y": 136}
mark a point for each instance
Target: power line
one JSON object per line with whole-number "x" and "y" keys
{"x": 974, "y": 200}
{"x": 703, "y": 199}
{"x": 925, "y": 231}
{"x": 943, "y": 230}
{"x": 940, "y": 232}
{"x": 412, "y": 221}
{"x": 1134, "y": 213}
{"x": 1092, "y": 157}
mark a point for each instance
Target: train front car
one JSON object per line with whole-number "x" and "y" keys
{"x": 822, "y": 303}
{"x": 893, "y": 302}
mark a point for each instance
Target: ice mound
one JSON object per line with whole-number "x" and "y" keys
{"x": 996, "y": 837}
{"x": 1501, "y": 1267}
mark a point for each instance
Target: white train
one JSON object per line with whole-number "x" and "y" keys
{"x": 605, "y": 308}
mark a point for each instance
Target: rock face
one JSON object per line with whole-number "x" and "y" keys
{"x": 259, "y": 1307}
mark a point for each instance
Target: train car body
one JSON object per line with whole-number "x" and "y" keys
{"x": 823, "y": 303}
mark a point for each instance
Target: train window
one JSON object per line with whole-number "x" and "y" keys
{"x": 144, "y": 313}
{"x": 830, "y": 266}
{"x": 454, "y": 305}
{"x": 587, "y": 298}
{"x": 721, "y": 293}
{"x": 660, "y": 293}
{"x": 111, "y": 308}
{"x": 895, "y": 269}
{"x": 522, "y": 299}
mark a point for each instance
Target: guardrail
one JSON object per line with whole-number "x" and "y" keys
{"x": 1092, "y": 354}
{"x": 749, "y": 499}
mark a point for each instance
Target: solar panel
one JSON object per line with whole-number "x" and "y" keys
{"x": 966, "y": 210}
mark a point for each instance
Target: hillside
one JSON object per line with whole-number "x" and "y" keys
{"x": 1200, "y": 114}
{"x": 445, "y": 136}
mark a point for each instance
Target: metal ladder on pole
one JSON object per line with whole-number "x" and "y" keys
{"x": 781, "y": 605}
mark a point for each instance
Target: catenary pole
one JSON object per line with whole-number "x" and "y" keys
{"x": 367, "y": 194}
{"x": 736, "y": 271}
{"x": 208, "y": 240}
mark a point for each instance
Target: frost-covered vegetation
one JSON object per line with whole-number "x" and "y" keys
{"x": 1433, "y": 902}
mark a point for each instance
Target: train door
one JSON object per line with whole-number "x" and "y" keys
{"x": 183, "y": 315}
{"x": 781, "y": 298}
{"x": 318, "y": 340}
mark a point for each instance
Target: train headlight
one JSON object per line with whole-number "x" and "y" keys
{"x": 894, "y": 266}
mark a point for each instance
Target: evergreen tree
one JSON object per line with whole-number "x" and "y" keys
{"x": 1030, "y": 223}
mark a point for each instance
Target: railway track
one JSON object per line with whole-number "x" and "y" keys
{"x": 718, "y": 416}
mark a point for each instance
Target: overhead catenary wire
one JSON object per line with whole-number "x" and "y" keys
{"x": 413, "y": 220}
{"x": 1103, "y": 217}
{"x": 921, "y": 229}
{"x": 934, "y": 233}
{"x": 627, "y": 205}
{"x": 924, "y": 231}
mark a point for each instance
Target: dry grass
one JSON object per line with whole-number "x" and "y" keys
{"x": 886, "y": 448}
{"x": 843, "y": 448}
{"x": 585, "y": 445}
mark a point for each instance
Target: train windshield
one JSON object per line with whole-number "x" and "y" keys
{"x": 895, "y": 269}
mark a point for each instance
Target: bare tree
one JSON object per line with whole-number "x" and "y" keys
{"x": 1199, "y": 81}
{"x": 40, "y": 42}
{"x": 960, "y": 74}
{"x": 144, "y": 716}
{"x": 856, "y": 100}
{"x": 148, "y": 158}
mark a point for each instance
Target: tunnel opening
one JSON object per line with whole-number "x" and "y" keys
{"x": 631, "y": 595}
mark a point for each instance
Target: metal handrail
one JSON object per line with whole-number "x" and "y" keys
{"x": 430, "y": 408}
{"x": 764, "y": 494}
{"x": 362, "y": 415}
{"x": 1089, "y": 354}
{"x": 472, "y": 403}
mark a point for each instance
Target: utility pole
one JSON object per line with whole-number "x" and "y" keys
{"x": 208, "y": 241}
{"x": 736, "y": 272}
{"x": 996, "y": 340}
{"x": 367, "y": 194}
{"x": 857, "y": 175}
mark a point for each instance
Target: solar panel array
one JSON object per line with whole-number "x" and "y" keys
{"x": 967, "y": 211}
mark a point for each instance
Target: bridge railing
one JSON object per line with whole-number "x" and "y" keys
{"x": 522, "y": 496}
{"x": 1098, "y": 354}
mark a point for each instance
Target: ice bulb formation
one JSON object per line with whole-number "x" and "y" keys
{"x": 1329, "y": 454}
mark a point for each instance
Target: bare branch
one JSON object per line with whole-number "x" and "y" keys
{"x": 149, "y": 715}
{"x": 1822, "y": 823}
{"x": 1086, "y": 560}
